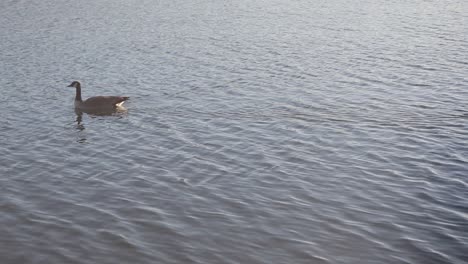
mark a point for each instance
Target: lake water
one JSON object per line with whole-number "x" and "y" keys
{"x": 280, "y": 131}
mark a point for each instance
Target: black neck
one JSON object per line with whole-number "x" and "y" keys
{"x": 78, "y": 93}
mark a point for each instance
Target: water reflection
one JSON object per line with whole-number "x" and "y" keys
{"x": 102, "y": 112}
{"x": 119, "y": 111}
{"x": 79, "y": 120}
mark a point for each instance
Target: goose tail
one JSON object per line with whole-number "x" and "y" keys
{"x": 121, "y": 100}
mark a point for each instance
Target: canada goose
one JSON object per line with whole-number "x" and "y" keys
{"x": 97, "y": 102}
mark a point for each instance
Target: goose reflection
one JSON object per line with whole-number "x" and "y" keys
{"x": 79, "y": 120}
{"x": 117, "y": 112}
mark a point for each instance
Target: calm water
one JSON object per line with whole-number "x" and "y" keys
{"x": 273, "y": 131}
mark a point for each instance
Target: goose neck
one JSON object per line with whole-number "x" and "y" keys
{"x": 78, "y": 93}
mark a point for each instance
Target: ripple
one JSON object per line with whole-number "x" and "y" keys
{"x": 279, "y": 132}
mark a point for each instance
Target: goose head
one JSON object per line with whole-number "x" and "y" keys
{"x": 75, "y": 84}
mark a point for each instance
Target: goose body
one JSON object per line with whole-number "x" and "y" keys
{"x": 97, "y": 102}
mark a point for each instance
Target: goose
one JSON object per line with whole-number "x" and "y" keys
{"x": 96, "y": 102}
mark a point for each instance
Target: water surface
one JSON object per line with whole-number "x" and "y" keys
{"x": 257, "y": 132}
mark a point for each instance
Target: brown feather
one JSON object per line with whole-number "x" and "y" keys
{"x": 104, "y": 100}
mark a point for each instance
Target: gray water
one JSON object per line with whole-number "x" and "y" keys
{"x": 275, "y": 131}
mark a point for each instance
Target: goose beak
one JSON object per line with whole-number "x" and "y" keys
{"x": 71, "y": 85}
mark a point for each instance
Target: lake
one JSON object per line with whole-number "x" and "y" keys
{"x": 256, "y": 132}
